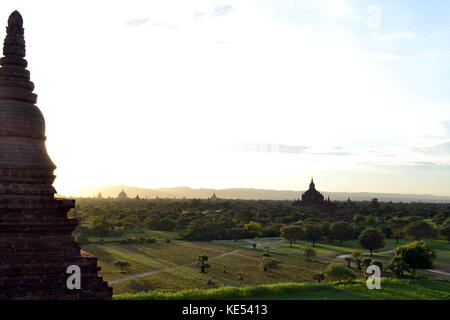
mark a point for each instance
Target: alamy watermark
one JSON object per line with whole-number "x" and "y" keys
{"x": 74, "y": 280}
{"x": 374, "y": 280}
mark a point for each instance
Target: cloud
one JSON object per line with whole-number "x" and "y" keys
{"x": 140, "y": 21}
{"x": 381, "y": 56}
{"x": 198, "y": 15}
{"x": 218, "y": 11}
{"x": 333, "y": 8}
{"x": 136, "y": 22}
{"x": 439, "y": 149}
{"x": 446, "y": 126}
{"x": 223, "y": 10}
{"x": 399, "y": 36}
{"x": 334, "y": 153}
{"x": 270, "y": 148}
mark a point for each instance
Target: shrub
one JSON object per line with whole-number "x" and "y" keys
{"x": 309, "y": 252}
{"x": 417, "y": 255}
{"x": 377, "y": 263}
{"x": 337, "y": 272}
{"x": 83, "y": 239}
{"x": 398, "y": 266}
{"x": 267, "y": 263}
{"x": 318, "y": 277}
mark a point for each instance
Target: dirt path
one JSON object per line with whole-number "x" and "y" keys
{"x": 343, "y": 256}
{"x": 140, "y": 275}
{"x": 263, "y": 244}
{"x": 440, "y": 272}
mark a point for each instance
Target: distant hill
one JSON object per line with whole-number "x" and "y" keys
{"x": 248, "y": 194}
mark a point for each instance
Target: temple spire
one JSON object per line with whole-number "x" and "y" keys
{"x": 14, "y": 78}
{"x": 311, "y": 185}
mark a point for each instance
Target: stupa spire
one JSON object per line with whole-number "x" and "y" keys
{"x": 36, "y": 243}
{"x": 14, "y": 78}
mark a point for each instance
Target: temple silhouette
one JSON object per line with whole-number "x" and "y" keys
{"x": 36, "y": 243}
{"x": 311, "y": 196}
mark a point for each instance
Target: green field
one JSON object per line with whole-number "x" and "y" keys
{"x": 175, "y": 266}
{"x": 391, "y": 289}
{"x": 329, "y": 251}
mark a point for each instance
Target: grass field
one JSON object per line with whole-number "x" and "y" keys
{"x": 174, "y": 264}
{"x": 391, "y": 289}
{"x": 179, "y": 260}
{"x": 329, "y": 251}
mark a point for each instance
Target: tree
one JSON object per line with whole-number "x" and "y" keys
{"x": 439, "y": 218}
{"x": 370, "y": 220}
{"x": 122, "y": 265}
{"x": 349, "y": 260}
{"x": 341, "y": 230}
{"x": 398, "y": 266}
{"x": 356, "y": 255}
{"x": 357, "y": 219}
{"x": 292, "y": 233}
{"x": 398, "y": 227}
{"x": 83, "y": 239}
{"x": 337, "y": 272}
{"x": 267, "y": 263}
{"x": 266, "y": 252}
{"x": 318, "y": 277}
{"x": 255, "y": 242}
{"x": 99, "y": 230}
{"x": 325, "y": 227}
{"x": 419, "y": 230}
{"x": 237, "y": 233}
{"x": 244, "y": 217}
{"x": 372, "y": 239}
{"x": 309, "y": 252}
{"x": 444, "y": 230}
{"x": 202, "y": 263}
{"x": 253, "y": 228}
{"x": 312, "y": 232}
{"x": 417, "y": 255}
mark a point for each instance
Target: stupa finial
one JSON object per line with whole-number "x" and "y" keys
{"x": 14, "y": 78}
{"x": 15, "y": 18}
{"x": 14, "y": 45}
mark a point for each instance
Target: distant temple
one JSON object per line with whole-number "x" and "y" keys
{"x": 214, "y": 197}
{"x": 99, "y": 196}
{"x": 311, "y": 196}
{"x": 122, "y": 195}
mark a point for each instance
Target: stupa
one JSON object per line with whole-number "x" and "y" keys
{"x": 37, "y": 249}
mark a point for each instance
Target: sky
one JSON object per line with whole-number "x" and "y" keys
{"x": 243, "y": 93}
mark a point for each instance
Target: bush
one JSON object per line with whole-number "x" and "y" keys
{"x": 417, "y": 255}
{"x": 309, "y": 252}
{"x": 398, "y": 266}
{"x": 267, "y": 263}
{"x": 99, "y": 230}
{"x": 337, "y": 272}
{"x": 83, "y": 239}
{"x": 318, "y": 277}
{"x": 377, "y": 263}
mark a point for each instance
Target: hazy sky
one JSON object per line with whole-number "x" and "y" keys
{"x": 238, "y": 93}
